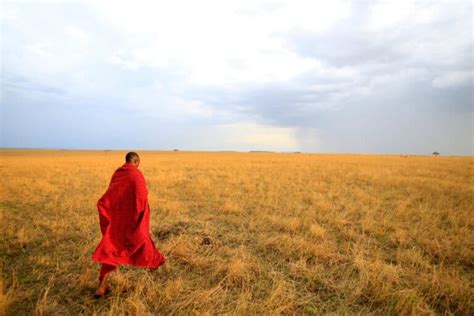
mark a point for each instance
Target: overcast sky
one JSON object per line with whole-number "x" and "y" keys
{"x": 313, "y": 76}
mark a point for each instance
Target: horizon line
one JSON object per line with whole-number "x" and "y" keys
{"x": 233, "y": 151}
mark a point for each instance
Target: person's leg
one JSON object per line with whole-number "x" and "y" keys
{"x": 105, "y": 270}
{"x": 104, "y": 273}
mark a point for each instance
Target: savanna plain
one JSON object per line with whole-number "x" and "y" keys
{"x": 244, "y": 234}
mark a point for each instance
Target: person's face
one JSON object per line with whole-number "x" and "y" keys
{"x": 136, "y": 162}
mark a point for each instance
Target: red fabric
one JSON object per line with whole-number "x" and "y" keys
{"x": 124, "y": 216}
{"x": 105, "y": 269}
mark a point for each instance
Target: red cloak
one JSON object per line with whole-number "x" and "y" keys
{"x": 124, "y": 216}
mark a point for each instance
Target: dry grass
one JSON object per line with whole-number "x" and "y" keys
{"x": 255, "y": 233}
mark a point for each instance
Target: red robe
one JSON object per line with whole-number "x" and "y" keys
{"x": 124, "y": 216}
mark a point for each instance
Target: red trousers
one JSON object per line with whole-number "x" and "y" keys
{"x": 106, "y": 268}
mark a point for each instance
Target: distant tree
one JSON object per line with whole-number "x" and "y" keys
{"x": 435, "y": 153}
{"x": 175, "y": 149}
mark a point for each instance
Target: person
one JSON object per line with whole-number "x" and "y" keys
{"x": 124, "y": 215}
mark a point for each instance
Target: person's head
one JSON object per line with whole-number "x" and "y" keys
{"x": 133, "y": 158}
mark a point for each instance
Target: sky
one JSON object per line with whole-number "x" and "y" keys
{"x": 388, "y": 77}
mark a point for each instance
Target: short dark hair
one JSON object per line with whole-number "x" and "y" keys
{"x": 131, "y": 156}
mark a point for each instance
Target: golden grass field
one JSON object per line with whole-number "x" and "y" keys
{"x": 244, "y": 234}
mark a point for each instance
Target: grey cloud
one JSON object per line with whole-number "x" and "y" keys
{"x": 351, "y": 42}
{"x": 20, "y": 83}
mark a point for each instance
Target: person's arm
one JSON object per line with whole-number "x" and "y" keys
{"x": 141, "y": 196}
{"x": 104, "y": 221}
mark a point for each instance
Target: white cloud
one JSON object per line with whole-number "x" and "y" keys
{"x": 118, "y": 58}
{"x": 76, "y": 33}
{"x": 157, "y": 100}
{"x": 192, "y": 107}
{"x": 454, "y": 79}
{"x": 389, "y": 14}
{"x": 220, "y": 43}
{"x": 39, "y": 50}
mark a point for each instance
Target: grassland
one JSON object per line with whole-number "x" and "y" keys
{"x": 245, "y": 233}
